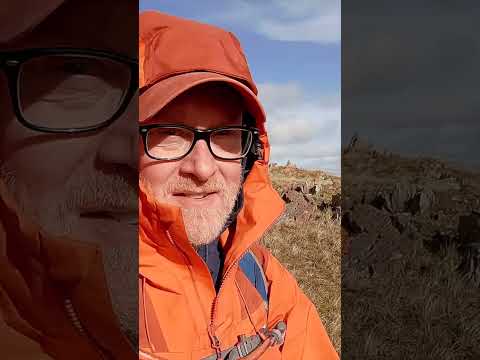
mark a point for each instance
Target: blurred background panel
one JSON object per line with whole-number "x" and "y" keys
{"x": 410, "y": 180}
{"x": 68, "y": 179}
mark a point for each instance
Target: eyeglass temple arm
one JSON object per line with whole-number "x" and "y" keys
{"x": 257, "y": 146}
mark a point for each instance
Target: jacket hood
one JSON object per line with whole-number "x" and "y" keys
{"x": 216, "y": 51}
{"x": 177, "y": 54}
{"x": 169, "y": 46}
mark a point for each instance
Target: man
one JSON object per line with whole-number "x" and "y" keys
{"x": 68, "y": 179}
{"x": 208, "y": 290}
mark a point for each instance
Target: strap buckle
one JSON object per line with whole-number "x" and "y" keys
{"x": 246, "y": 344}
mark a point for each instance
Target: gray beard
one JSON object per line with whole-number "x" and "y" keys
{"x": 120, "y": 263}
{"x": 202, "y": 225}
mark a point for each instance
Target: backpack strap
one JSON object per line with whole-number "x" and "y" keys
{"x": 251, "y": 344}
{"x": 253, "y": 270}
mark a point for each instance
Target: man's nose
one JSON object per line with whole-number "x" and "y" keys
{"x": 200, "y": 163}
{"x": 119, "y": 144}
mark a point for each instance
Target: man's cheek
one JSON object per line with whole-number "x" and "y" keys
{"x": 158, "y": 174}
{"x": 233, "y": 173}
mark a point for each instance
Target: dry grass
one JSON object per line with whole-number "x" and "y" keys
{"x": 400, "y": 298}
{"x": 420, "y": 308}
{"x": 312, "y": 253}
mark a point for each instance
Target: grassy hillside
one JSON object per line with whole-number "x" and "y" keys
{"x": 411, "y": 273}
{"x": 307, "y": 239}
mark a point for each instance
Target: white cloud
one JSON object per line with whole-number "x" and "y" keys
{"x": 306, "y": 20}
{"x": 303, "y": 128}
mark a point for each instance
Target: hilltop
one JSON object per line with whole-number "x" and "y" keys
{"x": 306, "y": 192}
{"x": 411, "y": 231}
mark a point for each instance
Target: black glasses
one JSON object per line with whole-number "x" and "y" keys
{"x": 65, "y": 90}
{"x": 174, "y": 142}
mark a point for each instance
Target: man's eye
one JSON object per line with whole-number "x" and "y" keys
{"x": 73, "y": 67}
{"x": 171, "y": 133}
{"x": 231, "y": 134}
{"x": 78, "y": 66}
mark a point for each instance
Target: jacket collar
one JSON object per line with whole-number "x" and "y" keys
{"x": 161, "y": 226}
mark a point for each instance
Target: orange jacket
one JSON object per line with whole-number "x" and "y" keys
{"x": 179, "y": 310}
{"x": 50, "y": 287}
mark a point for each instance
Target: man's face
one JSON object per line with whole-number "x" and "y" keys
{"x": 203, "y": 187}
{"x": 80, "y": 185}
{"x": 65, "y": 182}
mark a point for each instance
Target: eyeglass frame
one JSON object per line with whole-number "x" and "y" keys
{"x": 11, "y": 62}
{"x": 201, "y": 134}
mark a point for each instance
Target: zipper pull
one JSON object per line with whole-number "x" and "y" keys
{"x": 215, "y": 342}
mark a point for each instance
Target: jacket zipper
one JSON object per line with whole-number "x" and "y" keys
{"x": 211, "y": 330}
{"x": 213, "y": 339}
{"x": 187, "y": 260}
{"x": 215, "y": 342}
{"x": 75, "y": 320}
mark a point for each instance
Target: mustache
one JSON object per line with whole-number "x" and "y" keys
{"x": 102, "y": 191}
{"x": 110, "y": 191}
{"x": 185, "y": 184}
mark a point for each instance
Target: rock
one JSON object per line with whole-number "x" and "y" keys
{"x": 412, "y": 205}
{"x": 286, "y": 198}
{"x": 314, "y": 190}
{"x": 445, "y": 185}
{"x": 438, "y": 241}
{"x": 349, "y": 224}
{"x": 336, "y": 201}
{"x": 382, "y": 201}
{"x": 306, "y": 192}
{"x": 470, "y": 265}
{"x": 403, "y": 197}
{"x": 376, "y": 223}
{"x": 347, "y": 203}
{"x": 426, "y": 201}
{"x": 361, "y": 245}
{"x": 325, "y": 182}
{"x": 396, "y": 256}
{"x": 445, "y": 200}
{"x": 300, "y": 188}
{"x": 401, "y": 221}
{"x": 469, "y": 228}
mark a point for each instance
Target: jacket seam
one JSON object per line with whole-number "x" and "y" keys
{"x": 145, "y": 315}
{"x": 156, "y": 79}
{"x": 246, "y": 307}
{"x": 306, "y": 329}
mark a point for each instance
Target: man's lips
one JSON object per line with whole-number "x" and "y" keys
{"x": 196, "y": 199}
{"x": 194, "y": 195}
{"x": 129, "y": 217}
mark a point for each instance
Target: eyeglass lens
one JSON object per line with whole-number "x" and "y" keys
{"x": 169, "y": 143}
{"x": 71, "y": 91}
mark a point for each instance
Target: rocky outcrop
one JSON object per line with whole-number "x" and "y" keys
{"x": 306, "y": 192}
{"x": 432, "y": 206}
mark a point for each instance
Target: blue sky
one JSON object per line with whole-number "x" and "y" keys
{"x": 293, "y": 49}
